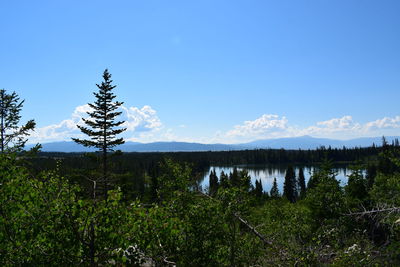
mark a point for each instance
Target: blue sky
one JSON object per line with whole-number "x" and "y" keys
{"x": 208, "y": 71}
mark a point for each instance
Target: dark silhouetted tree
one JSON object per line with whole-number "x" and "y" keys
{"x": 101, "y": 124}
{"x": 290, "y": 185}
{"x": 356, "y": 187}
{"x": 259, "y": 189}
{"x": 213, "y": 183}
{"x": 274, "y": 193}
{"x": 245, "y": 180}
{"x": 302, "y": 183}
{"x": 325, "y": 197}
{"x": 224, "y": 180}
{"x": 325, "y": 170}
{"x": 234, "y": 177}
{"x": 12, "y": 136}
{"x": 385, "y": 162}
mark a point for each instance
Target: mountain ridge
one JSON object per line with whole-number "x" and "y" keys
{"x": 301, "y": 142}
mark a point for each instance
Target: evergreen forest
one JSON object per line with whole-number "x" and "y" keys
{"x": 111, "y": 208}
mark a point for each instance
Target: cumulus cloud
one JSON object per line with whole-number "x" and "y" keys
{"x": 267, "y": 126}
{"x": 138, "y": 121}
{"x": 144, "y": 125}
{"x": 273, "y": 126}
{"x": 345, "y": 122}
{"x": 333, "y": 126}
{"x": 385, "y": 123}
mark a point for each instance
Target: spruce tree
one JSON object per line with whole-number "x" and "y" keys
{"x": 302, "y": 183}
{"x": 290, "y": 185}
{"x": 259, "y": 189}
{"x": 234, "y": 177}
{"x": 101, "y": 126}
{"x": 224, "y": 180}
{"x": 12, "y": 136}
{"x": 244, "y": 180}
{"x": 274, "y": 193}
{"x": 213, "y": 183}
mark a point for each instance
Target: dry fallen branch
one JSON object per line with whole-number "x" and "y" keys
{"x": 243, "y": 221}
{"x": 260, "y": 236}
{"x": 374, "y": 211}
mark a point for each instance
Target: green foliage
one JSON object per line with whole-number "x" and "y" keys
{"x": 386, "y": 189}
{"x": 12, "y": 136}
{"x": 46, "y": 219}
{"x": 33, "y": 216}
{"x": 288, "y": 225}
{"x": 174, "y": 180}
{"x": 325, "y": 198}
{"x": 224, "y": 180}
{"x": 356, "y": 188}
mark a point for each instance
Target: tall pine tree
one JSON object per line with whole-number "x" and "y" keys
{"x": 101, "y": 126}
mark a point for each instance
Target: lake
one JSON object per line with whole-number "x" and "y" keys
{"x": 267, "y": 173}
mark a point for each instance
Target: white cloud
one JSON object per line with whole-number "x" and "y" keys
{"x": 333, "y": 126}
{"x": 343, "y": 123}
{"x": 144, "y": 125}
{"x": 385, "y": 123}
{"x": 273, "y": 126}
{"x": 138, "y": 121}
{"x": 266, "y": 125}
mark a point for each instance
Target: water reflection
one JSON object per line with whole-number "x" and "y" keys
{"x": 267, "y": 173}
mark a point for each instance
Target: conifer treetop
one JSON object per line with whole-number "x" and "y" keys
{"x": 101, "y": 124}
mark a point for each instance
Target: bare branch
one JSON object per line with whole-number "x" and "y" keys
{"x": 374, "y": 211}
{"x": 253, "y": 229}
{"x": 248, "y": 225}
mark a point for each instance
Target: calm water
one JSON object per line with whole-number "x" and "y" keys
{"x": 267, "y": 173}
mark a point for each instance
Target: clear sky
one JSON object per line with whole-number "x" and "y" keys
{"x": 208, "y": 71}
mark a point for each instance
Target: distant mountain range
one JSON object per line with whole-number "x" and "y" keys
{"x": 308, "y": 142}
{"x": 302, "y": 142}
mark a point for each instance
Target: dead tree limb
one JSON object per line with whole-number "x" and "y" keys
{"x": 374, "y": 211}
{"x": 260, "y": 236}
{"x": 244, "y": 222}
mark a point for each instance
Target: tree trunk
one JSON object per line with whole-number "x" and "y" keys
{"x": 92, "y": 249}
{"x": 2, "y": 128}
{"x": 92, "y": 234}
{"x": 105, "y": 178}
